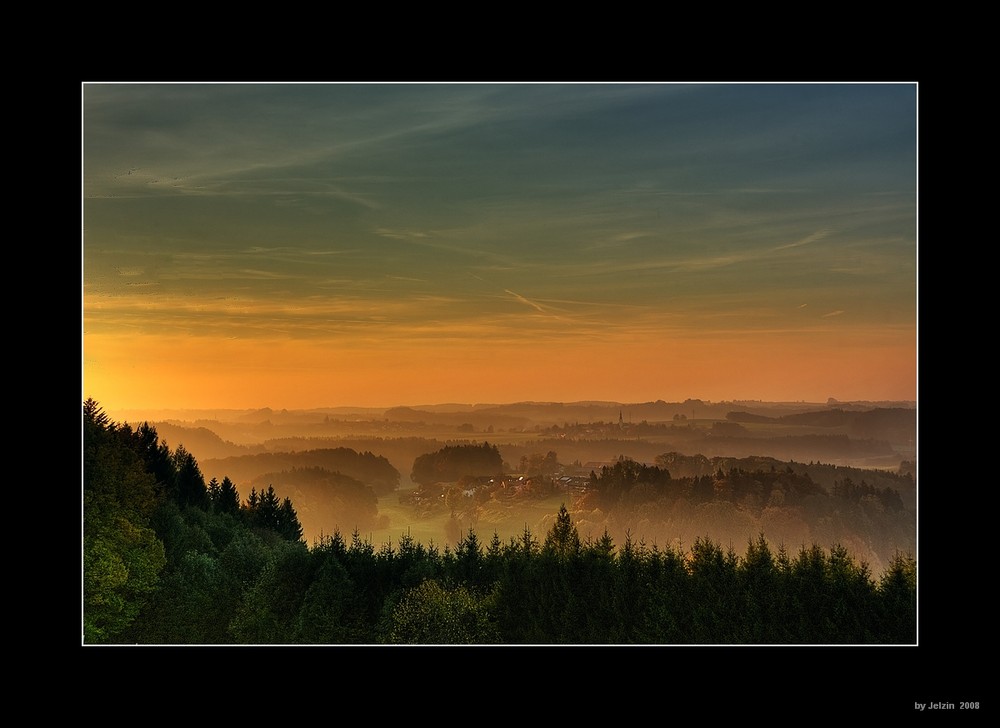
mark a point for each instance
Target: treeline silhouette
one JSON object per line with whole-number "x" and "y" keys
{"x": 326, "y": 500}
{"x": 867, "y": 511}
{"x": 894, "y": 423}
{"x": 366, "y": 467}
{"x": 626, "y": 481}
{"x": 169, "y": 559}
{"x": 454, "y": 461}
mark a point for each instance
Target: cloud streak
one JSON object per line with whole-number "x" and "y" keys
{"x": 527, "y": 302}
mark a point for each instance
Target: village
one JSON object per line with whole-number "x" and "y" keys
{"x": 471, "y": 490}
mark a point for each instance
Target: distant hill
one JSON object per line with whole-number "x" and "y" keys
{"x": 838, "y": 432}
{"x": 372, "y": 470}
{"x": 824, "y": 475}
{"x": 895, "y": 424}
{"x": 478, "y": 419}
{"x": 201, "y": 442}
{"x": 324, "y": 501}
{"x": 506, "y": 415}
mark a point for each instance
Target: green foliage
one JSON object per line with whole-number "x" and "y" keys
{"x": 763, "y": 595}
{"x": 165, "y": 558}
{"x": 562, "y": 540}
{"x": 189, "y": 484}
{"x": 191, "y": 606}
{"x": 328, "y": 608}
{"x": 122, "y": 556}
{"x": 898, "y": 601}
{"x": 469, "y": 565}
{"x": 244, "y": 559}
{"x": 265, "y": 511}
{"x": 269, "y": 613}
{"x": 121, "y": 566}
{"x": 156, "y": 456}
{"x": 432, "y": 614}
{"x": 713, "y": 593}
{"x": 223, "y": 496}
{"x": 182, "y": 531}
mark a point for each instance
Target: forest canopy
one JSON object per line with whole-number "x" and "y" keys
{"x": 170, "y": 559}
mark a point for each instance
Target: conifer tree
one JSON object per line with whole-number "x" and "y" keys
{"x": 189, "y": 484}
{"x": 229, "y": 497}
{"x": 562, "y": 539}
{"x": 288, "y": 522}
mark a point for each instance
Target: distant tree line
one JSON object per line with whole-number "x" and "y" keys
{"x": 169, "y": 559}
{"x": 366, "y": 467}
{"x": 776, "y": 498}
{"x": 615, "y": 484}
{"x": 452, "y": 462}
{"x": 326, "y": 499}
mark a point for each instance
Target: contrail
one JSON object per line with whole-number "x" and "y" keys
{"x": 805, "y": 241}
{"x": 524, "y": 300}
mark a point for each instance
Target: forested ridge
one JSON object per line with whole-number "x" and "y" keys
{"x": 367, "y": 467}
{"x": 170, "y": 559}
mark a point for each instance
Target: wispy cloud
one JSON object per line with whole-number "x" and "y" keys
{"x": 818, "y": 235}
{"x": 130, "y": 271}
{"x": 679, "y": 263}
{"x": 527, "y": 302}
{"x": 360, "y": 216}
{"x": 459, "y": 242}
{"x": 402, "y": 234}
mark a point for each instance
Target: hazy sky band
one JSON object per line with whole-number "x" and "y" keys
{"x": 442, "y": 215}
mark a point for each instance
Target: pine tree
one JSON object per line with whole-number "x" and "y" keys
{"x": 898, "y": 601}
{"x": 189, "y": 484}
{"x": 562, "y": 539}
{"x": 288, "y": 522}
{"x": 229, "y": 497}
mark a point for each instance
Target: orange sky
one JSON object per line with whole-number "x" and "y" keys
{"x": 194, "y": 373}
{"x": 320, "y": 245}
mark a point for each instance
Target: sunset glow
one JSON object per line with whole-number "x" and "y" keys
{"x": 311, "y": 245}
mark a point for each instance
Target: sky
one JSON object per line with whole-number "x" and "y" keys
{"x": 375, "y": 244}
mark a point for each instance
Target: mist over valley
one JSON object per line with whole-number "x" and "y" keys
{"x": 349, "y": 470}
